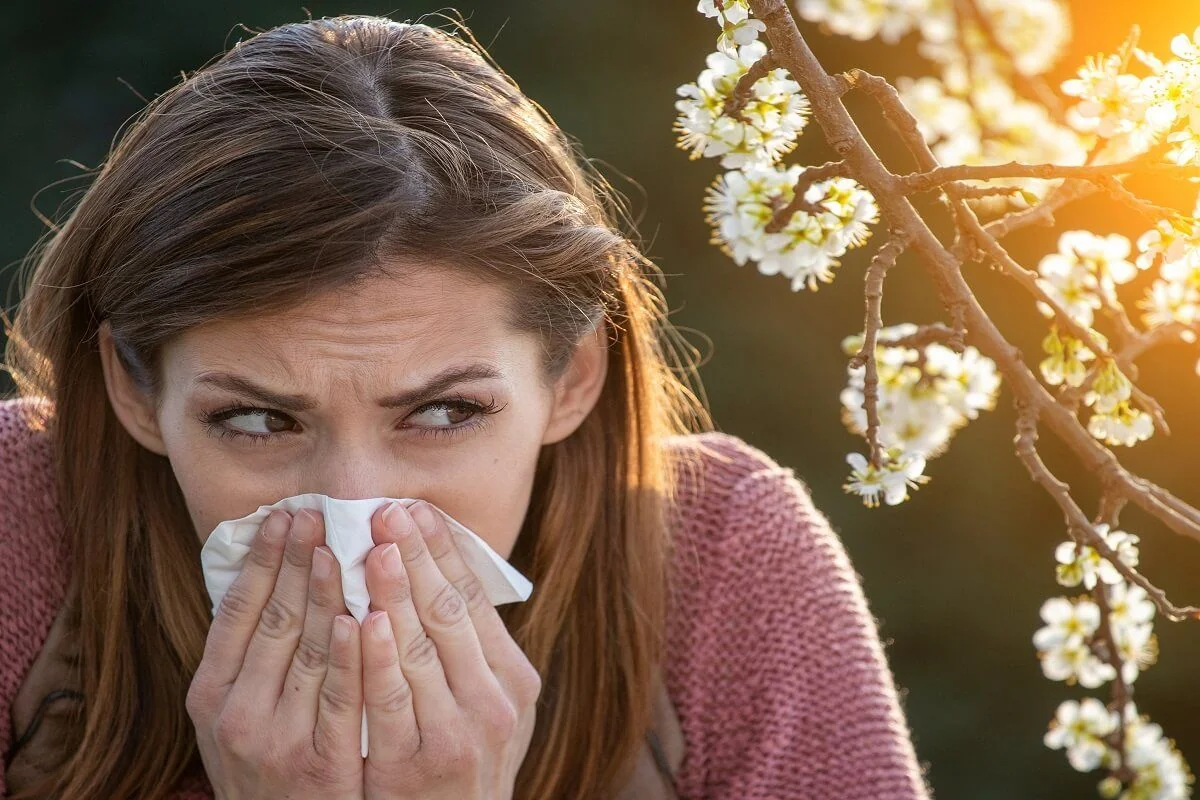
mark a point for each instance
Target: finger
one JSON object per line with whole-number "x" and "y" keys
{"x": 387, "y": 695}
{"x": 440, "y": 607}
{"x": 338, "y": 732}
{"x": 238, "y": 614}
{"x": 387, "y": 583}
{"x": 499, "y": 648}
{"x": 298, "y": 705}
{"x": 274, "y": 642}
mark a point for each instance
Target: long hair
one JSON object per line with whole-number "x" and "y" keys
{"x": 303, "y": 159}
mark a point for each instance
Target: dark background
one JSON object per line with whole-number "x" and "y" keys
{"x": 956, "y": 576}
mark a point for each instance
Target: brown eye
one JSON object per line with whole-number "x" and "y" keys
{"x": 439, "y": 415}
{"x": 263, "y": 422}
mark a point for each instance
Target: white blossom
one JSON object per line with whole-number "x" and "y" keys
{"x": 1123, "y": 425}
{"x": 1084, "y": 266}
{"x": 1081, "y": 563}
{"x": 1066, "y": 620}
{"x": 893, "y": 479}
{"x": 1034, "y": 32}
{"x": 866, "y": 19}
{"x": 1109, "y": 389}
{"x": 1063, "y": 643}
{"x": 1066, "y": 360}
{"x": 1110, "y": 101}
{"x": 1130, "y": 616}
{"x": 1170, "y": 301}
{"x": 1161, "y": 773}
{"x": 1080, "y": 727}
{"x": 1164, "y": 241}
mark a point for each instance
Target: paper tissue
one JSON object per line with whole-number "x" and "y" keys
{"x": 348, "y": 536}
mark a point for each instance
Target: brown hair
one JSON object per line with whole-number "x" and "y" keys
{"x": 304, "y": 158}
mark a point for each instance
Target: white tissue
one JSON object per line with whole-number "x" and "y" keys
{"x": 348, "y": 536}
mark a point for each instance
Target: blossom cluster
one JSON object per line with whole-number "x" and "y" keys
{"x": 970, "y": 114}
{"x": 1085, "y": 644}
{"x": 925, "y": 396}
{"x": 1080, "y": 279}
{"x": 750, "y": 141}
{"x": 1087, "y": 728}
{"x": 1033, "y": 32}
{"x": 1174, "y": 296}
{"x": 741, "y": 203}
{"x": 1133, "y": 112}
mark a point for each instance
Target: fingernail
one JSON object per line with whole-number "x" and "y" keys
{"x": 392, "y": 564}
{"x": 276, "y": 525}
{"x": 323, "y": 562}
{"x": 396, "y": 519}
{"x": 422, "y": 514}
{"x": 341, "y": 628}
{"x": 379, "y": 625}
{"x": 303, "y": 525}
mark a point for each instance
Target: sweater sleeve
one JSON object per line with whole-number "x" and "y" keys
{"x": 817, "y": 708}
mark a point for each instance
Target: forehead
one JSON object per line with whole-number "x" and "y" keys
{"x": 415, "y": 320}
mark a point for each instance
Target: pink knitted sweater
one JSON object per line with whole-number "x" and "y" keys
{"x": 774, "y": 662}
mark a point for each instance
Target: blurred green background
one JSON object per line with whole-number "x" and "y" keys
{"x": 956, "y": 576}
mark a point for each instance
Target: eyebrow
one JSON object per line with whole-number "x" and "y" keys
{"x": 301, "y": 402}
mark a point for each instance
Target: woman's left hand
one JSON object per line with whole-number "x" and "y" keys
{"x": 449, "y": 695}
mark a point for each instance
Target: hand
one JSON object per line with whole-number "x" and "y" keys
{"x": 275, "y": 703}
{"x": 449, "y": 696}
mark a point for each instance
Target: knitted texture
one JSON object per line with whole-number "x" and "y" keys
{"x": 774, "y": 661}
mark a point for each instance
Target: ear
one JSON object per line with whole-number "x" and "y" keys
{"x": 578, "y": 389}
{"x": 133, "y": 407}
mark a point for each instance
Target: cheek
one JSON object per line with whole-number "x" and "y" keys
{"x": 490, "y": 495}
{"x": 216, "y": 483}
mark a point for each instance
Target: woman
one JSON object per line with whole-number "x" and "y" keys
{"x": 351, "y": 257}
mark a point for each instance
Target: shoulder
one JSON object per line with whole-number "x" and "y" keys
{"x": 774, "y": 658}
{"x": 741, "y": 517}
{"x": 726, "y": 488}
{"x": 33, "y": 541}
{"x": 27, "y": 481}
{"x": 32, "y": 537}
{"x": 711, "y": 465}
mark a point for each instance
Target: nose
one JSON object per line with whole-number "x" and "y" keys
{"x": 355, "y": 472}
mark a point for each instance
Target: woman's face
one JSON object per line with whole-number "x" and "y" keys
{"x": 399, "y": 387}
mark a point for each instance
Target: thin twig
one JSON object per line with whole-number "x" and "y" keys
{"x": 736, "y": 101}
{"x": 1043, "y": 212}
{"x": 937, "y": 176}
{"x": 798, "y": 202}
{"x": 884, "y": 259}
{"x": 1077, "y": 523}
{"x": 1122, "y": 692}
{"x": 933, "y": 333}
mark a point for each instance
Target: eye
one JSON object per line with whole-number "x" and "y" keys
{"x": 444, "y": 414}
{"x": 453, "y": 416}
{"x": 256, "y": 422}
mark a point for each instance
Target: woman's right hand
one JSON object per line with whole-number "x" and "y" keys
{"x": 277, "y": 698}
